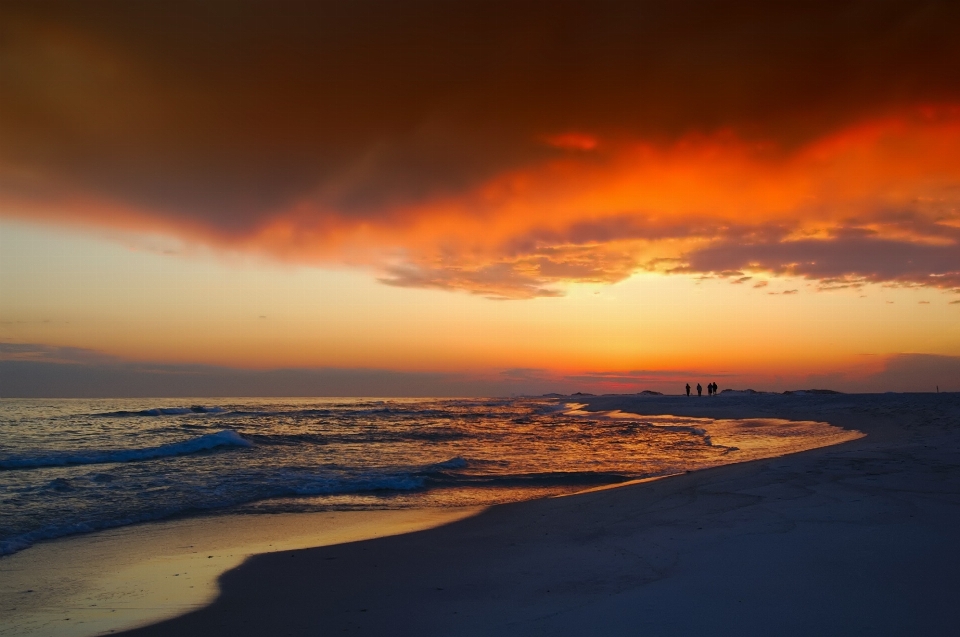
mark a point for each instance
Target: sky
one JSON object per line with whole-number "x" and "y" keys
{"x": 474, "y": 198}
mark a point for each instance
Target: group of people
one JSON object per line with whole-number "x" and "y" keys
{"x": 711, "y": 389}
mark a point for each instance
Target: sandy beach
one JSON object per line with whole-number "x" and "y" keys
{"x": 860, "y": 538}
{"x": 857, "y": 538}
{"x": 438, "y": 318}
{"x": 102, "y": 582}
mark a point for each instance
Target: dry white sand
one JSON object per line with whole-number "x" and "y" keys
{"x": 858, "y": 539}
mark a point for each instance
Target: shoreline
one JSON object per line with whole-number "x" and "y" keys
{"x": 527, "y": 562}
{"x": 858, "y": 538}
{"x": 152, "y": 571}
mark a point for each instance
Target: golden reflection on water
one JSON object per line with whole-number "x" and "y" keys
{"x": 748, "y": 438}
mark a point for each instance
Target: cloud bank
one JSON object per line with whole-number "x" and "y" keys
{"x": 504, "y": 149}
{"x": 39, "y": 371}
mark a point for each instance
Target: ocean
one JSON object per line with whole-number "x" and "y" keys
{"x": 72, "y": 466}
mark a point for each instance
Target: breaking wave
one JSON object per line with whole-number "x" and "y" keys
{"x": 225, "y": 438}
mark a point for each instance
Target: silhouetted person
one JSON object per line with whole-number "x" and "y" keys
{"x": 688, "y": 389}
{"x": 699, "y": 390}
{"x": 715, "y": 389}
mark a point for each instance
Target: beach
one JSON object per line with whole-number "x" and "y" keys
{"x": 99, "y": 583}
{"x": 856, "y": 538}
{"x": 472, "y": 318}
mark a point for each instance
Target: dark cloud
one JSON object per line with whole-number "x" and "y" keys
{"x": 37, "y": 370}
{"x": 51, "y": 354}
{"x": 225, "y": 112}
{"x": 912, "y": 372}
{"x": 619, "y": 227}
{"x": 648, "y": 377}
{"x": 88, "y": 378}
{"x": 535, "y": 263}
{"x": 28, "y": 379}
{"x": 852, "y": 257}
{"x": 285, "y": 127}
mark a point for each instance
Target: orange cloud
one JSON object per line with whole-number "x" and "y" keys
{"x": 876, "y": 202}
{"x": 505, "y": 152}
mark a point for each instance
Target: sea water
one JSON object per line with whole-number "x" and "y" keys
{"x": 75, "y": 466}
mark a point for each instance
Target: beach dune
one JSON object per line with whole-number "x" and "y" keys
{"x": 860, "y": 538}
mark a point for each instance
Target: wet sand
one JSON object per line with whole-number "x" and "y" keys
{"x": 106, "y": 581}
{"x": 858, "y": 538}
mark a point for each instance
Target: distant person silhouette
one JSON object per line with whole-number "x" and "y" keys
{"x": 688, "y": 389}
{"x": 699, "y": 390}
{"x": 715, "y": 389}
{"x": 709, "y": 389}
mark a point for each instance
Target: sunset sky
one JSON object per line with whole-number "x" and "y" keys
{"x": 421, "y": 198}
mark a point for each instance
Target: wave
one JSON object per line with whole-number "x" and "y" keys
{"x": 457, "y": 462}
{"x": 225, "y": 438}
{"x": 162, "y": 411}
{"x": 474, "y": 472}
{"x": 441, "y": 475}
{"x": 290, "y": 439}
{"x": 308, "y": 413}
{"x": 358, "y": 484}
{"x": 341, "y": 411}
{"x": 349, "y": 438}
{"x": 11, "y": 545}
{"x": 316, "y": 486}
{"x": 336, "y": 410}
{"x": 540, "y": 479}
